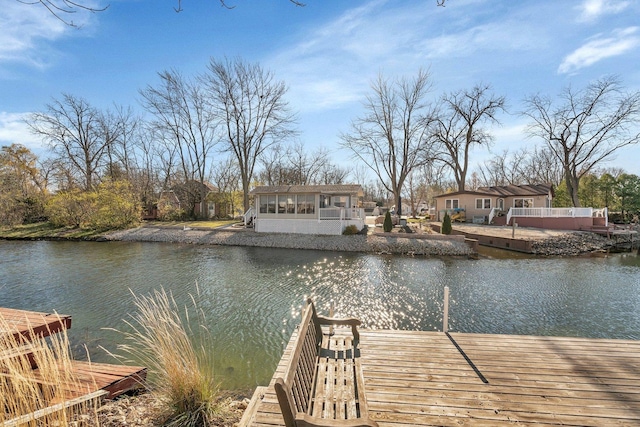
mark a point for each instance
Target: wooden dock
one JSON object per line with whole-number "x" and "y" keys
{"x": 23, "y": 323}
{"x": 89, "y": 377}
{"x": 437, "y": 379}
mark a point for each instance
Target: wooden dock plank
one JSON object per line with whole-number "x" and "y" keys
{"x": 428, "y": 378}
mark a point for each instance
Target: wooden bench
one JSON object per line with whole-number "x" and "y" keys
{"x": 323, "y": 384}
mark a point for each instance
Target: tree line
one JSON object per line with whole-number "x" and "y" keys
{"x": 232, "y": 126}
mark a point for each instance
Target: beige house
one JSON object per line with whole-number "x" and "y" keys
{"x": 478, "y": 205}
{"x": 306, "y": 209}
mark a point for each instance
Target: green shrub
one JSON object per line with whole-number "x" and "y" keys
{"x": 116, "y": 206}
{"x": 446, "y": 224}
{"x": 112, "y": 204}
{"x": 387, "y": 225}
{"x": 71, "y": 208}
{"x": 350, "y": 230}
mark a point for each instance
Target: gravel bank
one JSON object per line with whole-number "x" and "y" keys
{"x": 572, "y": 243}
{"x": 242, "y": 237}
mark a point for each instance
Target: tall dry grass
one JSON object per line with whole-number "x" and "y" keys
{"x": 25, "y": 390}
{"x": 179, "y": 359}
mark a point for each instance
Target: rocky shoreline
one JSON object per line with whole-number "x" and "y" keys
{"x": 570, "y": 243}
{"x": 374, "y": 243}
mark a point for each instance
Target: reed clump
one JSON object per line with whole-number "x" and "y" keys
{"x": 179, "y": 360}
{"x": 36, "y": 379}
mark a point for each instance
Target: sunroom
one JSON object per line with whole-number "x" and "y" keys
{"x": 307, "y": 209}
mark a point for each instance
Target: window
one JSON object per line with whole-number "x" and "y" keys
{"x": 282, "y": 204}
{"x": 291, "y": 204}
{"x": 451, "y": 204}
{"x": 271, "y": 204}
{"x": 522, "y": 203}
{"x": 340, "y": 201}
{"x": 306, "y": 204}
{"x": 268, "y": 204}
{"x": 263, "y": 204}
{"x": 483, "y": 203}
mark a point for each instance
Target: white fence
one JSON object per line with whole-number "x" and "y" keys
{"x": 555, "y": 213}
{"x": 341, "y": 214}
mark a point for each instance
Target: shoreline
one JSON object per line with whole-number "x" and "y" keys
{"x": 543, "y": 242}
{"x": 372, "y": 243}
{"x": 556, "y": 243}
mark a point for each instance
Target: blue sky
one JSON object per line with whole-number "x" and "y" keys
{"x": 327, "y": 52}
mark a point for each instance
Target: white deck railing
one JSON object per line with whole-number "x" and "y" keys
{"x": 341, "y": 213}
{"x": 493, "y": 213}
{"x": 248, "y": 216}
{"x": 550, "y": 213}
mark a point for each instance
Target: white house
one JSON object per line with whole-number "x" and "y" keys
{"x": 307, "y": 209}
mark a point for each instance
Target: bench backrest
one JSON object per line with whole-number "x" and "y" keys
{"x": 294, "y": 389}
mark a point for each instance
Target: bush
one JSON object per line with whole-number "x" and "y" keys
{"x": 350, "y": 230}
{"x": 71, "y": 208}
{"x": 446, "y": 224}
{"x": 112, "y": 204}
{"x": 116, "y": 206}
{"x": 387, "y": 225}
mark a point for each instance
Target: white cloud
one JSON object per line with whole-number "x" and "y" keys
{"x": 335, "y": 63}
{"x": 14, "y": 130}
{"x": 599, "y": 48}
{"x": 591, "y": 10}
{"x": 24, "y": 27}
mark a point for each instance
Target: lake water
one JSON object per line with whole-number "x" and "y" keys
{"x": 252, "y": 296}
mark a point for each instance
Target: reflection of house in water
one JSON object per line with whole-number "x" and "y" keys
{"x": 307, "y": 209}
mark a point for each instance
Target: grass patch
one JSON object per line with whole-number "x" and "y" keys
{"x": 179, "y": 359}
{"x": 198, "y": 224}
{"x": 44, "y": 230}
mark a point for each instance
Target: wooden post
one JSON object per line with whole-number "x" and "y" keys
{"x": 445, "y": 315}
{"x": 331, "y": 312}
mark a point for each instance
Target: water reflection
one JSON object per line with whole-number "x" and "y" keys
{"x": 252, "y": 297}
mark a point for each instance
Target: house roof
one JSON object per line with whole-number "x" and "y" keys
{"x": 507, "y": 191}
{"x": 298, "y": 189}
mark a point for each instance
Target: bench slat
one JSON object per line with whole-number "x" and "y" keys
{"x": 341, "y": 391}
{"x": 350, "y": 384}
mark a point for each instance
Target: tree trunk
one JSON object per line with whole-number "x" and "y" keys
{"x": 572, "y": 188}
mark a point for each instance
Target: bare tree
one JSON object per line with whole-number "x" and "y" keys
{"x": 65, "y": 9}
{"x": 78, "y": 134}
{"x": 330, "y": 173}
{"x": 392, "y": 138}
{"x": 254, "y": 113}
{"x": 186, "y": 121}
{"x": 504, "y": 169}
{"x": 459, "y": 126}
{"x": 542, "y": 167}
{"x": 584, "y": 128}
{"x": 226, "y": 176}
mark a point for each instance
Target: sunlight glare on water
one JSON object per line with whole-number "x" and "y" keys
{"x": 252, "y": 297}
